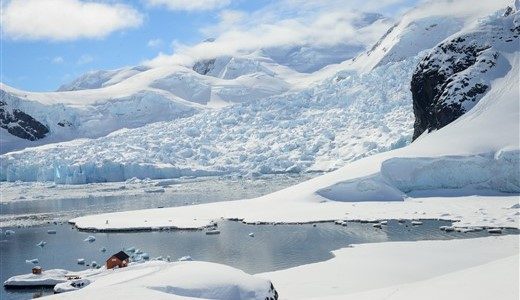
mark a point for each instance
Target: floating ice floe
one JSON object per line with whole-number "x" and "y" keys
{"x": 90, "y": 239}
{"x": 415, "y": 223}
{"x": 185, "y": 258}
{"x": 495, "y": 230}
{"x": 377, "y": 225}
{"x": 384, "y": 222}
{"x": 81, "y": 261}
{"x": 447, "y": 228}
{"x": 41, "y": 244}
{"x": 103, "y": 249}
{"x": 340, "y": 222}
{"x": 130, "y": 249}
{"x": 251, "y": 234}
{"x": 32, "y": 261}
{"x": 213, "y": 231}
{"x": 9, "y": 232}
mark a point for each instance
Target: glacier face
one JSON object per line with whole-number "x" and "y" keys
{"x": 349, "y": 116}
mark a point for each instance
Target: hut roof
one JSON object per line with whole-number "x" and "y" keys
{"x": 121, "y": 255}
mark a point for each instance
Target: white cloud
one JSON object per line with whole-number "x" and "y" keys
{"x": 320, "y": 23}
{"x": 65, "y": 19}
{"x": 154, "y": 43}
{"x": 85, "y": 59}
{"x": 58, "y": 60}
{"x": 190, "y": 4}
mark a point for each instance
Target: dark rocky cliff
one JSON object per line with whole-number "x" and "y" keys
{"x": 453, "y": 77}
{"x": 19, "y": 123}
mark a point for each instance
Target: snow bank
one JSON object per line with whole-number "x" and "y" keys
{"x": 494, "y": 172}
{"x": 47, "y": 278}
{"x": 428, "y": 270}
{"x": 186, "y": 280}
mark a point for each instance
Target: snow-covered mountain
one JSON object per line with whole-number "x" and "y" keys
{"x": 101, "y": 102}
{"x": 286, "y": 121}
{"x": 102, "y": 78}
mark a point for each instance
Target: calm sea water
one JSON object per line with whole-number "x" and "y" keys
{"x": 273, "y": 247}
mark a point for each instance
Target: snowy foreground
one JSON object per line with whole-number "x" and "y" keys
{"x": 481, "y": 268}
{"x": 179, "y": 280}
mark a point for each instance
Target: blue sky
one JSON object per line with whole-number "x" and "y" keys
{"x": 52, "y": 51}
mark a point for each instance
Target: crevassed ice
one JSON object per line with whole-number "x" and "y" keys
{"x": 346, "y": 117}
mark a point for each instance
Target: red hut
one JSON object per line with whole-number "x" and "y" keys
{"x": 120, "y": 259}
{"x": 37, "y": 270}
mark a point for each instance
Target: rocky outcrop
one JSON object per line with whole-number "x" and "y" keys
{"x": 203, "y": 67}
{"x": 20, "y": 124}
{"x": 453, "y": 77}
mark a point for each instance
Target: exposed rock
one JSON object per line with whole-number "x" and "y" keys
{"x": 453, "y": 77}
{"x": 20, "y": 124}
{"x": 203, "y": 67}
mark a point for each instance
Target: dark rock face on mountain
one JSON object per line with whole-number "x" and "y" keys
{"x": 20, "y": 124}
{"x": 203, "y": 67}
{"x": 453, "y": 77}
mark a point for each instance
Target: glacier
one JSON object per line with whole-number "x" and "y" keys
{"x": 348, "y": 116}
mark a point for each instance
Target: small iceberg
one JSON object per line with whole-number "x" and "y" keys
{"x": 32, "y": 261}
{"x": 9, "y": 232}
{"x": 377, "y": 225}
{"x": 81, "y": 261}
{"x": 384, "y": 222}
{"x": 251, "y": 234}
{"x": 90, "y": 239}
{"x": 41, "y": 244}
{"x": 213, "y": 231}
{"x": 51, "y": 231}
{"x": 145, "y": 256}
{"x": 94, "y": 264}
{"x": 185, "y": 258}
{"x": 131, "y": 249}
{"x": 103, "y": 249}
{"x": 415, "y": 223}
{"x": 447, "y": 228}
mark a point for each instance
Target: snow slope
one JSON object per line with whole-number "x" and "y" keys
{"x": 178, "y": 280}
{"x": 409, "y": 270}
{"x": 424, "y": 27}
